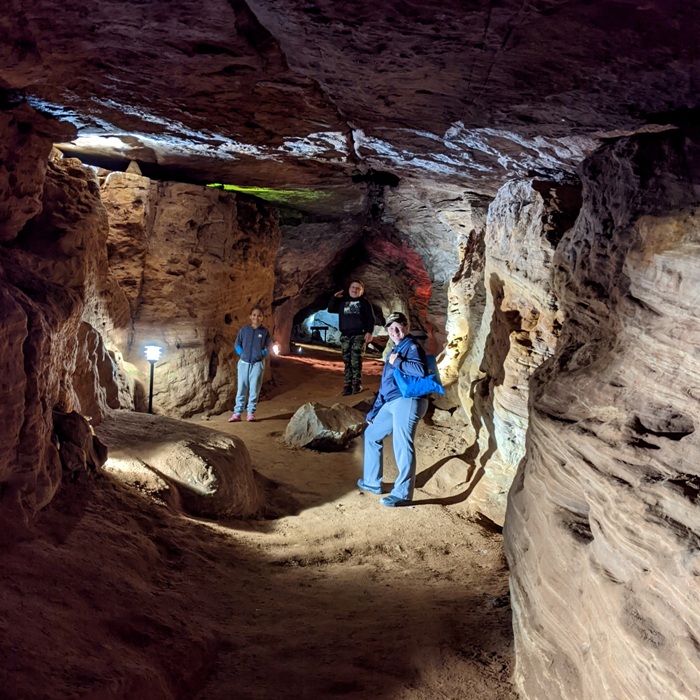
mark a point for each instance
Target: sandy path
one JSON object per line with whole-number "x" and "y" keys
{"x": 118, "y": 597}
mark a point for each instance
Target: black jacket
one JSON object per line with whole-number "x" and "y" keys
{"x": 355, "y": 316}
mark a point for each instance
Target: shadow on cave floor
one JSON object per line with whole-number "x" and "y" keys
{"x": 343, "y": 598}
{"x": 346, "y": 599}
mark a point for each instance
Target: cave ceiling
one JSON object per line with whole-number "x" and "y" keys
{"x": 311, "y": 97}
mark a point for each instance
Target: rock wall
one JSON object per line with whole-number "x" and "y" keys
{"x": 187, "y": 263}
{"x": 603, "y": 521}
{"x": 433, "y": 222}
{"x": 191, "y": 261}
{"x": 25, "y": 145}
{"x": 515, "y": 320}
{"x": 55, "y": 291}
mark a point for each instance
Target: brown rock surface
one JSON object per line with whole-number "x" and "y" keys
{"x": 252, "y": 92}
{"x": 27, "y": 140}
{"x": 518, "y": 329}
{"x": 375, "y": 137}
{"x": 209, "y": 474}
{"x": 602, "y": 527}
{"x": 54, "y": 282}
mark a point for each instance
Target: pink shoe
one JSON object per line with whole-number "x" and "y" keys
{"x": 251, "y": 418}
{"x": 234, "y": 418}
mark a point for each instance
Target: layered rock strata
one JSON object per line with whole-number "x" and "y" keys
{"x": 602, "y": 528}
{"x": 516, "y": 329}
{"x": 55, "y": 291}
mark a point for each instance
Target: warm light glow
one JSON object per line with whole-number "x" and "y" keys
{"x": 153, "y": 352}
{"x": 276, "y": 349}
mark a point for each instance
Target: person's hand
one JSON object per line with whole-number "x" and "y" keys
{"x": 339, "y": 294}
{"x": 393, "y": 357}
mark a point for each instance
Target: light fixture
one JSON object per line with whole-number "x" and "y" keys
{"x": 152, "y": 355}
{"x": 299, "y": 349}
{"x": 276, "y": 348}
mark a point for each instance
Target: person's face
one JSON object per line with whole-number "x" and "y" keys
{"x": 256, "y": 318}
{"x": 397, "y": 332}
{"x": 355, "y": 290}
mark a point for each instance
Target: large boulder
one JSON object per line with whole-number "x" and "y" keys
{"x": 207, "y": 473}
{"x": 321, "y": 428}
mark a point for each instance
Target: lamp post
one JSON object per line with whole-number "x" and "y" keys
{"x": 152, "y": 355}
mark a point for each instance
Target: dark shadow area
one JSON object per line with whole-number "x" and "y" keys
{"x": 176, "y": 608}
{"x": 124, "y": 597}
{"x": 473, "y": 477}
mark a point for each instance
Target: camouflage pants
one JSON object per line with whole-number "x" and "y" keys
{"x": 353, "y": 347}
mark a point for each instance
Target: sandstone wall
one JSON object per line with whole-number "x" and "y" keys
{"x": 191, "y": 261}
{"x": 603, "y": 522}
{"x": 504, "y": 300}
{"x": 439, "y": 225}
{"x": 52, "y": 261}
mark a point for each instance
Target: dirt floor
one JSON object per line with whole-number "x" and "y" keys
{"x": 116, "y": 595}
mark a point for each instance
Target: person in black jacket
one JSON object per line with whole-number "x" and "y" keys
{"x": 356, "y": 323}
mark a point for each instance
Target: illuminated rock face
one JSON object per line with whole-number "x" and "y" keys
{"x": 602, "y": 526}
{"x": 517, "y": 324}
{"x": 190, "y": 467}
{"x": 59, "y": 303}
{"x": 191, "y": 262}
{"x": 584, "y": 345}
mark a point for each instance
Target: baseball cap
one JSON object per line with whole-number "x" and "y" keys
{"x": 395, "y": 317}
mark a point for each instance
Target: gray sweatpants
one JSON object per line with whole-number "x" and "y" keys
{"x": 250, "y": 376}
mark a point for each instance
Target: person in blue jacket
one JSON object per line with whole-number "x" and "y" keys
{"x": 253, "y": 345}
{"x": 392, "y": 414}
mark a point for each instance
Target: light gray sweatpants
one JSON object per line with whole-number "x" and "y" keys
{"x": 250, "y": 376}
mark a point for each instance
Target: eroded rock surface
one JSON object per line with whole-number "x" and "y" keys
{"x": 384, "y": 131}
{"x": 602, "y": 529}
{"x": 207, "y": 472}
{"x": 518, "y": 328}
{"x": 54, "y": 288}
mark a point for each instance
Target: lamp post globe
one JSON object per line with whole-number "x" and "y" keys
{"x": 152, "y": 355}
